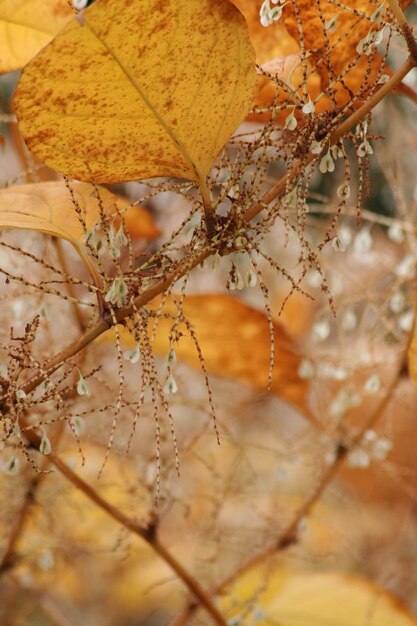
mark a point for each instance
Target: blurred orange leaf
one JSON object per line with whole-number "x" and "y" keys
{"x": 26, "y": 27}
{"x": 48, "y": 208}
{"x": 133, "y": 103}
{"x": 235, "y": 343}
{"x": 342, "y": 34}
{"x": 292, "y": 598}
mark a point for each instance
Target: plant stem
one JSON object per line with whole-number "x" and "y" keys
{"x": 208, "y": 209}
{"x": 289, "y": 535}
{"x": 341, "y": 130}
{"x": 397, "y": 11}
{"x": 101, "y": 326}
{"x": 148, "y": 533}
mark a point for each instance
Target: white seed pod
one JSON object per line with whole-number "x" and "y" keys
{"x": 170, "y": 386}
{"x": 381, "y": 448}
{"x": 343, "y": 192}
{"x": 397, "y": 302}
{"x": 372, "y": 384}
{"x": 407, "y": 267}
{"x": 132, "y": 355}
{"x": 251, "y": 278}
{"x": 363, "y": 241}
{"x": 330, "y": 25}
{"x": 82, "y": 386}
{"x": 11, "y": 466}
{"x": 291, "y": 122}
{"x": 117, "y": 293}
{"x": 79, "y": 4}
{"x": 320, "y": 331}
{"x": 338, "y": 245}
{"x": 171, "y": 356}
{"x": 45, "y": 445}
{"x": 364, "y": 148}
{"x": 396, "y": 233}
{"x": 358, "y": 458}
{"x": 309, "y": 107}
{"x": 327, "y": 163}
{"x": 77, "y": 425}
{"x": 349, "y": 320}
{"x": 305, "y": 370}
{"x": 316, "y": 147}
{"x": 405, "y": 322}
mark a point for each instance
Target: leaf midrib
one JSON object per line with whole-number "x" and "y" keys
{"x": 151, "y": 107}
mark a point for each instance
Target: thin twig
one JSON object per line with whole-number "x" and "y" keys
{"x": 104, "y": 324}
{"x": 289, "y": 535}
{"x": 70, "y": 288}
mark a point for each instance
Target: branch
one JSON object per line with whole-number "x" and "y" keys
{"x": 104, "y": 324}
{"x": 147, "y": 533}
{"x": 289, "y": 535}
{"x": 101, "y": 326}
{"x": 397, "y": 11}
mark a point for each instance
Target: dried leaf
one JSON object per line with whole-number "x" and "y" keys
{"x": 140, "y": 90}
{"x": 26, "y": 27}
{"x": 235, "y": 342}
{"x": 282, "y": 39}
{"x": 333, "y": 49}
{"x": 48, "y": 208}
{"x": 303, "y": 597}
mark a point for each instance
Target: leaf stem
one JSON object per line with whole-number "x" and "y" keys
{"x": 208, "y": 209}
{"x": 102, "y": 325}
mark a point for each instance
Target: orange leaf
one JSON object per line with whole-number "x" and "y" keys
{"x": 282, "y": 39}
{"x": 235, "y": 342}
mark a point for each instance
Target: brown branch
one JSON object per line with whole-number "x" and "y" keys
{"x": 9, "y": 557}
{"x": 147, "y": 533}
{"x": 289, "y": 535}
{"x": 397, "y": 12}
{"x": 141, "y": 300}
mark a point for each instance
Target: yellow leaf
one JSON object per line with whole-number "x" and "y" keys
{"x": 26, "y": 27}
{"x": 48, "y": 208}
{"x": 139, "y": 90}
{"x": 235, "y": 342}
{"x": 295, "y": 598}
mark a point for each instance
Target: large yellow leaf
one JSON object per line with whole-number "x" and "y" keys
{"x": 303, "y": 598}
{"x": 49, "y": 208}
{"x": 26, "y": 26}
{"x": 139, "y": 89}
